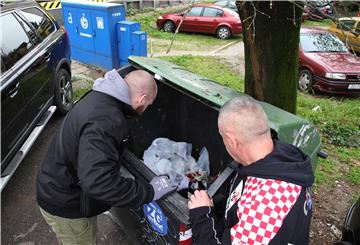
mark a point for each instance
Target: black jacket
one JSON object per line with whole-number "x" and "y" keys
{"x": 93, "y": 138}
{"x": 287, "y": 165}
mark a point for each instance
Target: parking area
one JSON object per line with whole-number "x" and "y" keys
{"x": 336, "y": 117}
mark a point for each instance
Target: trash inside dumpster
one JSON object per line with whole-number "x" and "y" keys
{"x": 186, "y": 110}
{"x": 174, "y": 159}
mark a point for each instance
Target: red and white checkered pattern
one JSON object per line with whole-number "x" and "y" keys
{"x": 262, "y": 209}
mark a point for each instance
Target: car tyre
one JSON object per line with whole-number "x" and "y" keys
{"x": 223, "y": 32}
{"x": 63, "y": 92}
{"x": 305, "y": 80}
{"x": 169, "y": 26}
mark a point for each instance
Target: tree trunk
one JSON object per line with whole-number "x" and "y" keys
{"x": 271, "y": 41}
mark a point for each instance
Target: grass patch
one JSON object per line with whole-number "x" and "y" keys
{"x": 210, "y": 67}
{"x": 325, "y": 22}
{"x": 81, "y": 85}
{"x": 354, "y": 175}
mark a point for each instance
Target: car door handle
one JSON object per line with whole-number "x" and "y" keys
{"x": 47, "y": 56}
{"x": 13, "y": 92}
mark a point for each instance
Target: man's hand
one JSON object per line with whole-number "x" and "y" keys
{"x": 163, "y": 186}
{"x": 200, "y": 199}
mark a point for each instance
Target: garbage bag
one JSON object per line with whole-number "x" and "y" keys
{"x": 165, "y": 156}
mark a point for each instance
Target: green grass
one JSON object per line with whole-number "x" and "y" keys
{"x": 338, "y": 113}
{"x": 325, "y": 22}
{"x": 210, "y": 67}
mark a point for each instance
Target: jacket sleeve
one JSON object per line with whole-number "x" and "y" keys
{"x": 98, "y": 166}
{"x": 204, "y": 226}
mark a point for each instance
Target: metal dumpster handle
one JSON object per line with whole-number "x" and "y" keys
{"x": 214, "y": 187}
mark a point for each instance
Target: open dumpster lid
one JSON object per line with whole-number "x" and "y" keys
{"x": 289, "y": 128}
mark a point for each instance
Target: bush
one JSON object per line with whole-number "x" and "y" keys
{"x": 341, "y": 135}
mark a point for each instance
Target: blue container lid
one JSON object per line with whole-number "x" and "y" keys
{"x": 90, "y": 5}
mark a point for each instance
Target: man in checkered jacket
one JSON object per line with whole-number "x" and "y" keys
{"x": 269, "y": 199}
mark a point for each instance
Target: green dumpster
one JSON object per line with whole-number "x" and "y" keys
{"x": 186, "y": 110}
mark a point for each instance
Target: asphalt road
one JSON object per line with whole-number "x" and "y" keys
{"x": 21, "y": 221}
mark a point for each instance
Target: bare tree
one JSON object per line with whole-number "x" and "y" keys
{"x": 271, "y": 32}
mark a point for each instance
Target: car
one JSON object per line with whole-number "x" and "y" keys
{"x": 35, "y": 78}
{"x": 325, "y": 64}
{"x": 348, "y": 30}
{"x": 230, "y": 4}
{"x": 203, "y": 18}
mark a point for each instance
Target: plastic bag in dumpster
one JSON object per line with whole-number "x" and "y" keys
{"x": 165, "y": 156}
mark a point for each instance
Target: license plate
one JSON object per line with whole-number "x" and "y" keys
{"x": 354, "y": 86}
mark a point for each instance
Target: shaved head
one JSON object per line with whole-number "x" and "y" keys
{"x": 244, "y": 118}
{"x": 143, "y": 89}
{"x": 141, "y": 82}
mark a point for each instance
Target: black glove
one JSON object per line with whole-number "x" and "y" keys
{"x": 163, "y": 186}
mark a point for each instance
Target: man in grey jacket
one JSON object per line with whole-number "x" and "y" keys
{"x": 80, "y": 176}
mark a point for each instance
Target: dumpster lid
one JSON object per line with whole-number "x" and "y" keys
{"x": 290, "y": 128}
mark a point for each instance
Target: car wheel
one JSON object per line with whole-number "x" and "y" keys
{"x": 305, "y": 80}
{"x": 223, "y": 32}
{"x": 169, "y": 26}
{"x": 63, "y": 92}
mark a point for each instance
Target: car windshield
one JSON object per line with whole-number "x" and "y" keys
{"x": 321, "y": 42}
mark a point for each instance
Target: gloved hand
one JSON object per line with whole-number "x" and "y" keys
{"x": 163, "y": 186}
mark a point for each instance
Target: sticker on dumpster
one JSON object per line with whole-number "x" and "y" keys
{"x": 84, "y": 22}
{"x": 70, "y": 18}
{"x": 100, "y": 22}
{"x": 156, "y": 217}
{"x": 122, "y": 29}
{"x": 143, "y": 37}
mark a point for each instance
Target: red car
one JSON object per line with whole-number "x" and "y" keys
{"x": 203, "y": 18}
{"x": 325, "y": 64}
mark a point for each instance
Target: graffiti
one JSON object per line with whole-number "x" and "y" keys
{"x": 302, "y": 137}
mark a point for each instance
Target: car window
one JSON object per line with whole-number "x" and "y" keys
{"x": 221, "y": 3}
{"x": 212, "y": 12}
{"x": 346, "y": 25}
{"x": 39, "y": 20}
{"x": 321, "y": 42}
{"x": 195, "y": 11}
{"x": 14, "y": 42}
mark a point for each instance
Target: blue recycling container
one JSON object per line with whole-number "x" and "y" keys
{"x": 125, "y": 29}
{"x": 92, "y": 31}
{"x": 139, "y": 43}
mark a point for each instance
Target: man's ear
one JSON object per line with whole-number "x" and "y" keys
{"x": 231, "y": 139}
{"x": 142, "y": 99}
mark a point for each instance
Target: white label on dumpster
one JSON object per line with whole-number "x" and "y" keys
{"x": 84, "y": 22}
{"x": 85, "y": 34}
{"x": 70, "y": 18}
{"x": 122, "y": 29}
{"x": 100, "y": 22}
{"x": 143, "y": 37}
